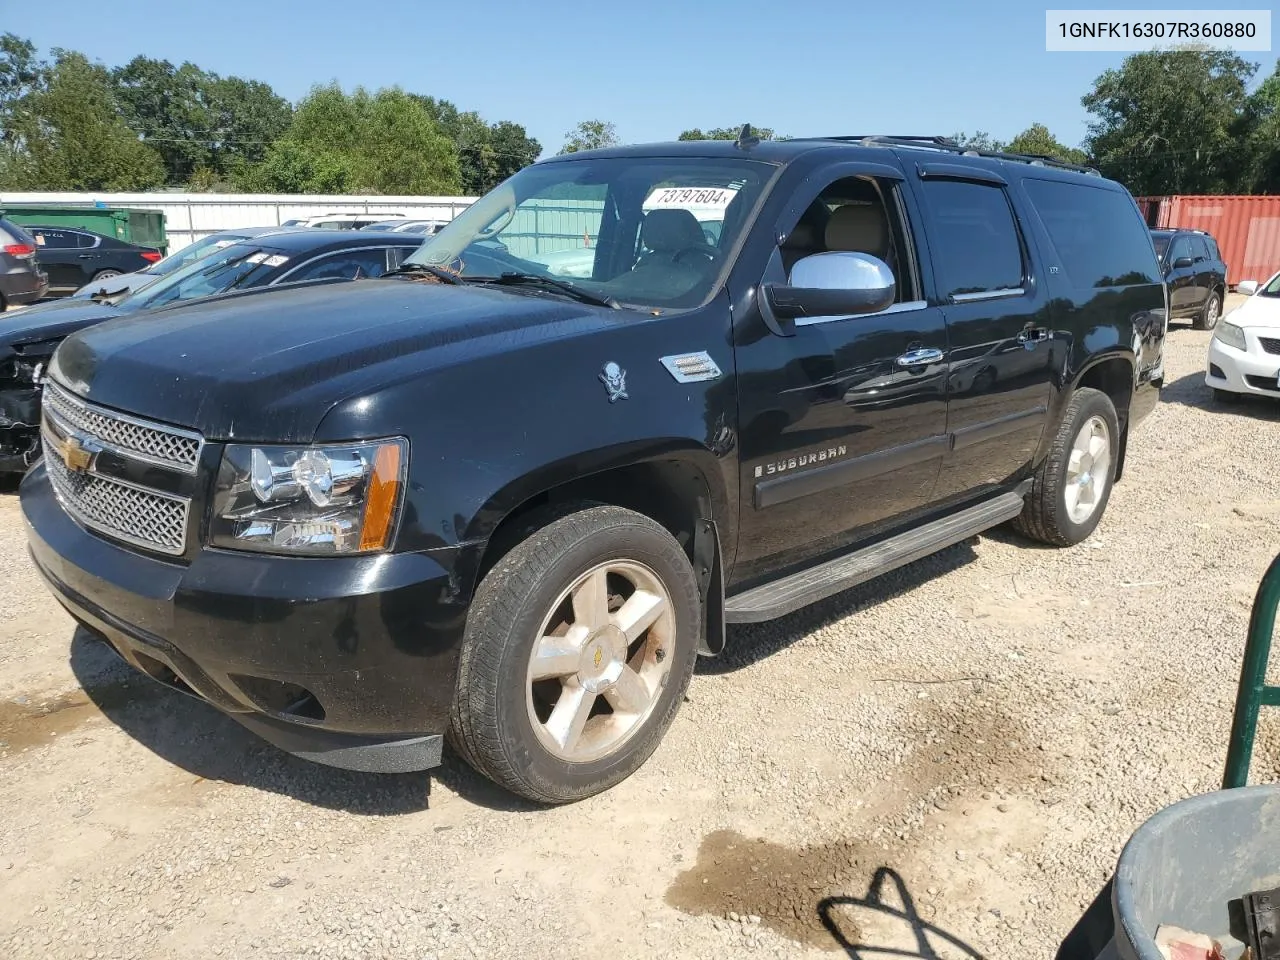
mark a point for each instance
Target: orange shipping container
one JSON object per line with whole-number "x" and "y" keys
{"x": 1247, "y": 229}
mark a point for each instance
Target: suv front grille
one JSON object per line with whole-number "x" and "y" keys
{"x": 145, "y": 518}
{"x": 1270, "y": 344}
{"x": 103, "y": 502}
{"x": 128, "y": 436}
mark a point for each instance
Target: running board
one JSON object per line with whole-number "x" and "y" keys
{"x": 780, "y": 597}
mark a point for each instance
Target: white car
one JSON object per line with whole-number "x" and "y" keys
{"x": 1244, "y": 354}
{"x": 342, "y": 221}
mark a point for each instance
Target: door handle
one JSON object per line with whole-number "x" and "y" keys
{"x": 1033, "y": 334}
{"x": 87, "y": 256}
{"x": 916, "y": 358}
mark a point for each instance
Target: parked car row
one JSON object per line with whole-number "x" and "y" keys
{"x": 254, "y": 259}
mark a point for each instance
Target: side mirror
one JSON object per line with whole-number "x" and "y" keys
{"x": 833, "y": 284}
{"x": 1247, "y": 287}
{"x": 1182, "y": 263}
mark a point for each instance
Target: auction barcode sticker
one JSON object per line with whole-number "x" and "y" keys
{"x": 1134, "y": 31}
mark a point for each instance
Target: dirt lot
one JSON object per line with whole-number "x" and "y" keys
{"x": 966, "y": 742}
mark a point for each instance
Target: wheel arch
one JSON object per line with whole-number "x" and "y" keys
{"x": 1113, "y": 375}
{"x": 678, "y": 484}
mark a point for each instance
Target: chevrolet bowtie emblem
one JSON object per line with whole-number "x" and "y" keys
{"x": 75, "y": 456}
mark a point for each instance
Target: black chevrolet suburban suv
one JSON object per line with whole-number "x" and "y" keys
{"x": 509, "y": 494}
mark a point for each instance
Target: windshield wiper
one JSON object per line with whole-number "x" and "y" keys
{"x": 551, "y": 283}
{"x": 440, "y": 273}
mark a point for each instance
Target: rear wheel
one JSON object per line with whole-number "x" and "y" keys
{"x": 1208, "y": 317}
{"x": 105, "y": 275}
{"x": 1070, "y": 491}
{"x": 579, "y": 646}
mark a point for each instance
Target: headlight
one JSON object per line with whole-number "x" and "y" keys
{"x": 1231, "y": 335}
{"x": 312, "y": 500}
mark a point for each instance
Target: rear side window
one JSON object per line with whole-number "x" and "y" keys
{"x": 975, "y": 241}
{"x": 1100, "y": 238}
{"x": 86, "y": 240}
{"x": 1214, "y": 253}
{"x": 55, "y": 239}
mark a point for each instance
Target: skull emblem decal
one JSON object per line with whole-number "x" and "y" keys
{"x": 614, "y": 379}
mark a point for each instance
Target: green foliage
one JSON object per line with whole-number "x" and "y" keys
{"x": 384, "y": 143}
{"x": 487, "y": 155}
{"x": 590, "y": 135}
{"x": 65, "y": 134}
{"x": 1037, "y": 140}
{"x": 1171, "y": 122}
{"x": 726, "y": 133}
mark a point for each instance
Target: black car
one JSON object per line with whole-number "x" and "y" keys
{"x": 485, "y": 500}
{"x": 174, "y": 261}
{"x": 1192, "y": 267}
{"x": 28, "y": 339}
{"x": 74, "y": 257}
{"x": 22, "y": 279}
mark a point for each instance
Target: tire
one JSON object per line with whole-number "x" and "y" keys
{"x": 1051, "y": 515}
{"x": 1207, "y": 318}
{"x": 104, "y": 275}
{"x": 1225, "y": 396}
{"x": 507, "y": 724}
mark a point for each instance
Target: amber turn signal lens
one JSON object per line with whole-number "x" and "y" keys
{"x": 380, "y": 503}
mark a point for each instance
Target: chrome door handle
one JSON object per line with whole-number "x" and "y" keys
{"x": 915, "y": 358}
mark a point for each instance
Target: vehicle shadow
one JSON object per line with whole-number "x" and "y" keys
{"x": 749, "y": 643}
{"x": 888, "y": 899}
{"x": 1191, "y": 391}
{"x": 192, "y": 735}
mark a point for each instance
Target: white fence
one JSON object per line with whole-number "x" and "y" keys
{"x": 190, "y": 216}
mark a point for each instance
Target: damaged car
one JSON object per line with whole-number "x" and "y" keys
{"x": 311, "y": 255}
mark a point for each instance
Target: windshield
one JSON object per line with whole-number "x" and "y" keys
{"x": 192, "y": 251}
{"x": 645, "y": 231}
{"x": 229, "y": 268}
{"x": 1272, "y": 289}
{"x": 1161, "y": 240}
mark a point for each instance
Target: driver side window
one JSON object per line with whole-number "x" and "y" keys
{"x": 861, "y": 215}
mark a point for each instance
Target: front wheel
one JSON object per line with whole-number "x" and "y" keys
{"x": 1070, "y": 490}
{"x": 1208, "y": 318}
{"x": 579, "y": 647}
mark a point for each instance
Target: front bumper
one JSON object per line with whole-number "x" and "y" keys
{"x": 347, "y": 661}
{"x": 1243, "y": 371}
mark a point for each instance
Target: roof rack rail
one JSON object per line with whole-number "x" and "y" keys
{"x": 950, "y": 146}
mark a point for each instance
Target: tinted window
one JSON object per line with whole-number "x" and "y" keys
{"x": 1161, "y": 241}
{"x": 1213, "y": 248}
{"x": 975, "y": 240}
{"x": 1181, "y": 248}
{"x": 55, "y": 239}
{"x": 1199, "y": 251}
{"x": 348, "y": 265}
{"x": 1098, "y": 234}
{"x": 84, "y": 240}
{"x": 235, "y": 267}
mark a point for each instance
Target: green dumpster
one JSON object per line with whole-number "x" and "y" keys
{"x": 130, "y": 224}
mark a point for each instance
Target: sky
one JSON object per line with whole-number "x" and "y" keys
{"x": 653, "y": 68}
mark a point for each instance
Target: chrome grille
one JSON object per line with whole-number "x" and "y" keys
{"x": 1269, "y": 344}
{"x": 145, "y": 518}
{"x": 129, "y": 436}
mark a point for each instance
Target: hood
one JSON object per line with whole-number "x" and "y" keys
{"x": 114, "y": 285}
{"x": 52, "y": 321}
{"x": 1257, "y": 312}
{"x": 268, "y": 364}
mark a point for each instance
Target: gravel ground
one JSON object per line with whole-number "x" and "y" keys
{"x": 967, "y": 742}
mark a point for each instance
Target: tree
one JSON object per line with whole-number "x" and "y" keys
{"x": 382, "y": 143}
{"x": 725, "y": 133}
{"x": 67, "y": 135}
{"x": 1037, "y": 139}
{"x": 1168, "y": 122}
{"x": 196, "y": 119}
{"x": 1258, "y": 130}
{"x": 590, "y": 135}
{"x": 979, "y": 141}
